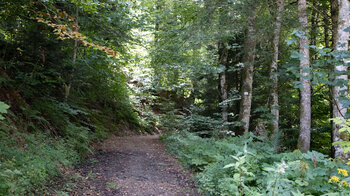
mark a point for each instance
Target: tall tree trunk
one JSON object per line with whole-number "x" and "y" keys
{"x": 313, "y": 33}
{"x": 247, "y": 72}
{"x": 223, "y": 55}
{"x": 335, "y": 14}
{"x": 326, "y": 31}
{"x": 334, "y": 19}
{"x": 340, "y": 44}
{"x": 237, "y": 85}
{"x": 76, "y": 41}
{"x": 75, "y": 52}
{"x": 305, "y": 91}
{"x": 274, "y": 69}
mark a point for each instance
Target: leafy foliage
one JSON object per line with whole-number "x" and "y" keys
{"x": 64, "y": 93}
{"x": 3, "y": 109}
{"x": 68, "y": 68}
{"x": 238, "y": 165}
{"x": 345, "y": 129}
{"x": 29, "y": 161}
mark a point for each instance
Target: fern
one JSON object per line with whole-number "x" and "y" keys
{"x": 237, "y": 165}
{"x": 3, "y": 109}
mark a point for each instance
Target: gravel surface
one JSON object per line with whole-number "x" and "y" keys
{"x": 133, "y": 165}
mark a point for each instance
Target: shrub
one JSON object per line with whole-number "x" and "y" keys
{"x": 243, "y": 166}
{"x": 28, "y": 161}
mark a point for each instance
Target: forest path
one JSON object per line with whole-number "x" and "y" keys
{"x": 133, "y": 165}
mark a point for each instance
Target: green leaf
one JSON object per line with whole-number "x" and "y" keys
{"x": 347, "y": 29}
{"x": 3, "y": 109}
{"x": 291, "y": 41}
{"x": 229, "y": 165}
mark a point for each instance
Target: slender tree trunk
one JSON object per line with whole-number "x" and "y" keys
{"x": 75, "y": 52}
{"x": 305, "y": 91}
{"x": 340, "y": 44}
{"x": 334, "y": 13}
{"x": 76, "y": 41}
{"x": 326, "y": 31}
{"x": 274, "y": 68}
{"x": 223, "y": 55}
{"x": 313, "y": 33}
{"x": 334, "y": 19}
{"x": 237, "y": 85}
{"x": 247, "y": 73}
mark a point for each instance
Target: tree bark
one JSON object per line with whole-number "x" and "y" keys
{"x": 326, "y": 31}
{"x": 313, "y": 33}
{"x": 334, "y": 13}
{"x": 305, "y": 91}
{"x": 223, "y": 55}
{"x": 334, "y": 19}
{"x": 340, "y": 44}
{"x": 326, "y": 25}
{"x": 76, "y": 41}
{"x": 274, "y": 68}
{"x": 314, "y": 27}
{"x": 247, "y": 73}
{"x": 75, "y": 52}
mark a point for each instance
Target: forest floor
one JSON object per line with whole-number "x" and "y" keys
{"x": 133, "y": 165}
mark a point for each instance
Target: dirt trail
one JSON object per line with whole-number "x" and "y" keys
{"x": 134, "y": 165}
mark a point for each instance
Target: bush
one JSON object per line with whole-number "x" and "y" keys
{"x": 235, "y": 166}
{"x": 28, "y": 161}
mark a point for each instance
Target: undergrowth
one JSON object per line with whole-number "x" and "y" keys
{"x": 245, "y": 166}
{"x": 29, "y": 161}
{"x": 44, "y": 141}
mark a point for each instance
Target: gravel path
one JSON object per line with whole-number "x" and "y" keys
{"x": 134, "y": 165}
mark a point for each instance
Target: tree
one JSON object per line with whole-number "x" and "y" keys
{"x": 75, "y": 52}
{"x": 335, "y": 15}
{"x": 223, "y": 54}
{"x": 274, "y": 68}
{"x": 223, "y": 61}
{"x": 247, "y": 72}
{"x": 341, "y": 45}
{"x": 305, "y": 90}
